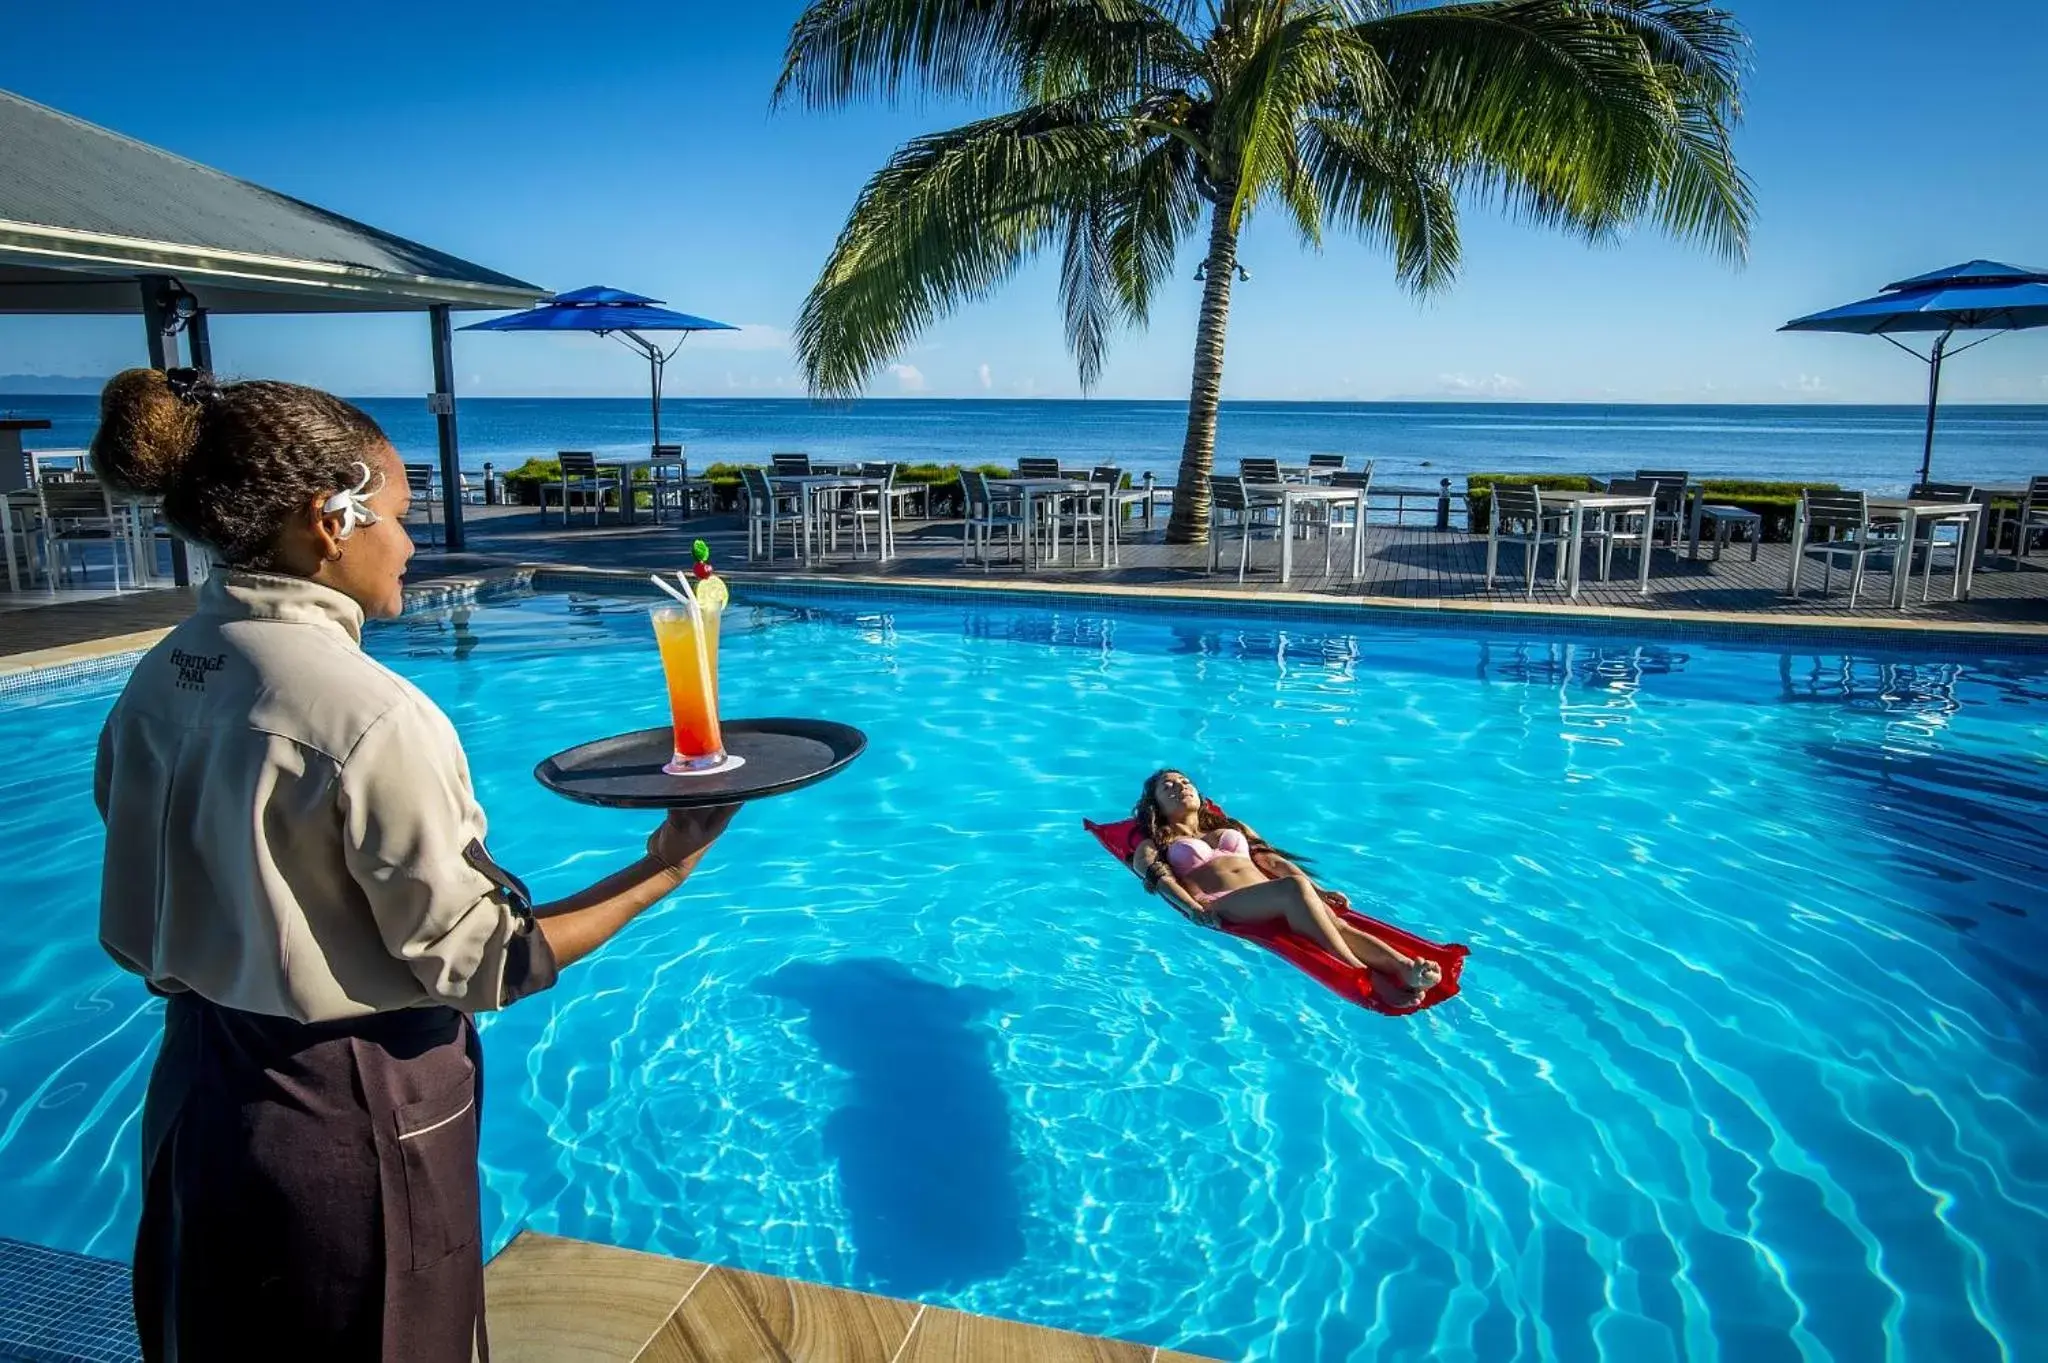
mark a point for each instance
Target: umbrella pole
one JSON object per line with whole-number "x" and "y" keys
{"x": 654, "y": 382}
{"x": 1933, "y": 400}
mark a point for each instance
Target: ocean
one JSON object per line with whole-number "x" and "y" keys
{"x": 1876, "y": 448}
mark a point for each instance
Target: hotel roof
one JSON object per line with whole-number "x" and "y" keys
{"x": 85, "y": 213}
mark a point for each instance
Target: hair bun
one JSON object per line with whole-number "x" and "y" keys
{"x": 149, "y": 426}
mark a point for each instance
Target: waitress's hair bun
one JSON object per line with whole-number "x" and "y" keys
{"x": 147, "y": 433}
{"x": 232, "y": 462}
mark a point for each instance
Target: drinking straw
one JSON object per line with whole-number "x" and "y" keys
{"x": 690, "y": 602}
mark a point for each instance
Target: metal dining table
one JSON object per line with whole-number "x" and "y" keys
{"x": 808, "y": 485}
{"x": 1291, "y": 495}
{"x": 1908, "y": 512}
{"x": 1029, "y": 490}
{"x": 1608, "y": 502}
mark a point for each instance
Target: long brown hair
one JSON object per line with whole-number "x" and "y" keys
{"x": 1208, "y": 819}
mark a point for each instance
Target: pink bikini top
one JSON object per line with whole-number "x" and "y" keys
{"x": 1188, "y": 853}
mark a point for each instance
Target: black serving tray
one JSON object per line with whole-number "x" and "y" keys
{"x": 624, "y": 771}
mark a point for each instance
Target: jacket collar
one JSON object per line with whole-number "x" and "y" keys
{"x": 242, "y": 595}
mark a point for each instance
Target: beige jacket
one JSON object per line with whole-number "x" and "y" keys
{"x": 290, "y": 826}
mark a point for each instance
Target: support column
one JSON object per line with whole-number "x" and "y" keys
{"x": 156, "y": 326}
{"x": 443, "y": 404}
{"x": 199, "y": 340}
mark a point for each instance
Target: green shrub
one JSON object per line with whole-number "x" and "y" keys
{"x": 1479, "y": 491}
{"x": 522, "y": 485}
{"x": 1775, "y": 502}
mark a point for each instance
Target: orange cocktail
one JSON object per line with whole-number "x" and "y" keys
{"x": 689, "y": 660}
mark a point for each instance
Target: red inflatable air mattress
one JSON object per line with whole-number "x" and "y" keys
{"x": 1121, "y": 838}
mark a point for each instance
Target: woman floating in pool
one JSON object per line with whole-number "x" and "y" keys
{"x": 1216, "y": 870}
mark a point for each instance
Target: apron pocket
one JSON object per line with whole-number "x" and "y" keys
{"x": 437, "y": 1147}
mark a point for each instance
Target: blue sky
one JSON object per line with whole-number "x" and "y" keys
{"x": 632, "y": 144}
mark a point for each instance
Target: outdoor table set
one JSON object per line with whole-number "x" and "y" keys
{"x": 1293, "y": 497}
{"x": 821, "y": 496}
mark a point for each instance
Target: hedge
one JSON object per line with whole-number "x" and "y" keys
{"x": 1479, "y": 491}
{"x": 522, "y": 485}
{"x": 1775, "y": 502}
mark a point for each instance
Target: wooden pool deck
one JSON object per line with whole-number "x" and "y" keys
{"x": 1407, "y": 567}
{"x": 552, "y": 1300}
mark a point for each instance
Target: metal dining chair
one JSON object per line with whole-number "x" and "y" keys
{"x": 76, "y": 513}
{"x": 579, "y": 474}
{"x": 985, "y": 514}
{"x": 1845, "y": 516}
{"x": 1673, "y": 487}
{"x": 1518, "y": 516}
{"x": 791, "y": 464}
{"x": 769, "y": 513}
{"x": 2028, "y": 519}
{"x": 1337, "y": 515}
{"x": 672, "y": 487}
{"x": 1259, "y": 470}
{"x": 420, "y": 481}
{"x": 1248, "y": 515}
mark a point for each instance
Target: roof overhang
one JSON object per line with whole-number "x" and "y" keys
{"x": 64, "y": 270}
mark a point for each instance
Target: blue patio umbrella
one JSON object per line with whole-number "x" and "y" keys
{"x": 1983, "y": 295}
{"x": 615, "y": 313}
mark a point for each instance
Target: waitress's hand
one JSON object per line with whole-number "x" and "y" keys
{"x": 686, "y": 833}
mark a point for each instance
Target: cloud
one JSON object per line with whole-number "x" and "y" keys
{"x": 988, "y": 379}
{"x": 909, "y": 378}
{"x": 1485, "y": 386}
{"x": 1805, "y": 383}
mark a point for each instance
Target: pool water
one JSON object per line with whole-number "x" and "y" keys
{"x": 1750, "y": 1064}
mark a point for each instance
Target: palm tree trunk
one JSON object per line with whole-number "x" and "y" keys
{"x": 1190, "y": 522}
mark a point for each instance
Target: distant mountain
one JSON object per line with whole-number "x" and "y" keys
{"x": 51, "y": 385}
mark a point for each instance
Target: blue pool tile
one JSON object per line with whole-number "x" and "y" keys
{"x": 58, "y": 1307}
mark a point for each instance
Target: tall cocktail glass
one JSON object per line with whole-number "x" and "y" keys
{"x": 689, "y": 660}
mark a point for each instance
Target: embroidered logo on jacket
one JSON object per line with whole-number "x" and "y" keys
{"x": 193, "y": 667}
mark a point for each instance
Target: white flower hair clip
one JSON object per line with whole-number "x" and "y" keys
{"x": 352, "y": 504}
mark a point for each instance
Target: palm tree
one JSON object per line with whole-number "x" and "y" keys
{"x": 1134, "y": 120}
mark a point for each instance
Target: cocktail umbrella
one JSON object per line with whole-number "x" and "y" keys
{"x": 615, "y": 313}
{"x": 1983, "y": 295}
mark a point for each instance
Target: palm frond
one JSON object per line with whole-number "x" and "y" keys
{"x": 947, "y": 219}
{"x": 1158, "y": 204}
{"x": 1036, "y": 51}
{"x": 1583, "y": 114}
{"x": 1388, "y": 192}
{"x": 1089, "y": 296}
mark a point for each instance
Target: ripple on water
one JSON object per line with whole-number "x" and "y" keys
{"x": 1748, "y": 1065}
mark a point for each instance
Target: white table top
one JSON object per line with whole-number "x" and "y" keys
{"x": 1041, "y": 484}
{"x": 824, "y": 479}
{"x": 1921, "y": 506}
{"x": 1306, "y": 492}
{"x": 1599, "y": 500}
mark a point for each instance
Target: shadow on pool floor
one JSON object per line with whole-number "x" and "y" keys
{"x": 927, "y": 1162}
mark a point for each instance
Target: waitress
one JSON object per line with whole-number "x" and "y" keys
{"x": 296, "y": 861}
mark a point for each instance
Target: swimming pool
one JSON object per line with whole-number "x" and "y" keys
{"x": 1750, "y": 1062}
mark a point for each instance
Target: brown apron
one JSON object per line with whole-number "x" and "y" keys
{"x": 310, "y": 1190}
